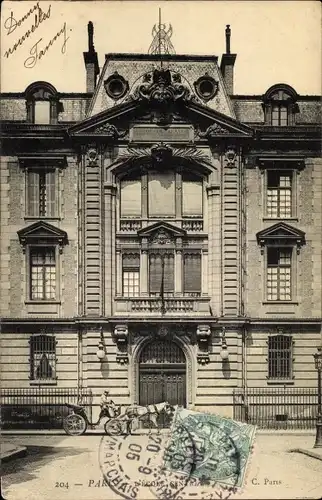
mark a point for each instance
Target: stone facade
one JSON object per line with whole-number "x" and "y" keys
{"x": 230, "y": 142}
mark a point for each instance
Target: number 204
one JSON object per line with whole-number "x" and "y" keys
{"x": 61, "y": 485}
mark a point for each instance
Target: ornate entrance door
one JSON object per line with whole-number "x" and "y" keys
{"x": 162, "y": 375}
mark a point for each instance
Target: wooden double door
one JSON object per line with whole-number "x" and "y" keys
{"x": 163, "y": 384}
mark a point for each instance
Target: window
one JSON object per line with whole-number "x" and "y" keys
{"x": 41, "y": 193}
{"x": 279, "y": 194}
{"x": 42, "y": 112}
{"x": 192, "y": 274}
{"x": 42, "y": 273}
{"x": 279, "y": 115}
{"x": 42, "y": 101}
{"x": 42, "y": 358}
{"x": 280, "y": 357}
{"x": 191, "y": 195}
{"x": 161, "y": 194}
{"x": 131, "y": 198}
{"x": 280, "y": 105}
{"x": 279, "y": 268}
{"x": 131, "y": 275}
{"x": 161, "y": 273}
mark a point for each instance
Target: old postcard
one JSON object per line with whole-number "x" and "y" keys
{"x": 161, "y": 232}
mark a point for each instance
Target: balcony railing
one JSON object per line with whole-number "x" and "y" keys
{"x": 193, "y": 225}
{"x": 155, "y": 306}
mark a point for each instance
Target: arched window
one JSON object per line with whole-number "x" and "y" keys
{"x": 280, "y": 105}
{"x": 42, "y": 103}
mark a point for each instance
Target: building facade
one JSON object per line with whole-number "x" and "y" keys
{"x": 160, "y": 235}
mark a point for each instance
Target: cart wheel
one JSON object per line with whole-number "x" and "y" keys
{"x": 113, "y": 427}
{"x": 74, "y": 425}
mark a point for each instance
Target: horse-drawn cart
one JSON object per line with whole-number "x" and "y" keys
{"x": 118, "y": 421}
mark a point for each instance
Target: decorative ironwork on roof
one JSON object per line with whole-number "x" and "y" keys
{"x": 161, "y": 43}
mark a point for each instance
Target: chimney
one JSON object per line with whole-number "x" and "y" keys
{"x": 91, "y": 61}
{"x": 227, "y": 64}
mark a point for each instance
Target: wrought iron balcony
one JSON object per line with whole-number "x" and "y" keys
{"x": 192, "y": 224}
{"x": 154, "y": 305}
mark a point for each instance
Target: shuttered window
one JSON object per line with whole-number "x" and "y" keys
{"x": 191, "y": 195}
{"x": 192, "y": 274}
{"x": 131, "y": 275}
{"x": 156, "y": 272}
{"x": 161, "y": 193}
{"x": 42, "y": 357}
{"x": 41, "y": 193}
{"x": 131, "y": 197}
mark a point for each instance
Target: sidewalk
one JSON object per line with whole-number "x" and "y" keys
{"x": 313, "y": 452}
{"x": 9, "y": 451}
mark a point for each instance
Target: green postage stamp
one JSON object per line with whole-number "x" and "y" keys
{"x": 220, "y": 446}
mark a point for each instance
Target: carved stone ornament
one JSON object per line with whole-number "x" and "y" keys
{"x": 92, "y": 157}
{"x": 161, "y": 153}
{"x": 213, "y": 131}
{"x": 161, "y": 237}
{"x": 161, "y": 89}
{"x": 203, "y": 337}
{"x": 121, "y": 335}
{"x": 110, "y": 131}
{"x": 230, "y": 157}
{"x": 162, "y": 331}
{"x": 188, "y": 154}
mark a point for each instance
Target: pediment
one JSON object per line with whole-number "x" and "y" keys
{"x": 42, "y": 232}
{"x": 161, "y": 233}
{"x": 136, "y": 121}
{"x": 280, "y": 232}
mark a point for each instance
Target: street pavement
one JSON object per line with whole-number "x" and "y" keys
{"x": 64, "y": 467}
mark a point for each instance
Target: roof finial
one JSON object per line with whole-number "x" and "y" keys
{"x": 90, "y": 30}
{"x": 161, "y": 43}
{"x": 228, "y": 34}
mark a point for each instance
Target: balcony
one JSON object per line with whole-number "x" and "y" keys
{"x": 152, "y": 306}
{"x": 191, "y": 225}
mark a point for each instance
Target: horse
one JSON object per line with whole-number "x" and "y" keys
{"x": 149, "y": 412}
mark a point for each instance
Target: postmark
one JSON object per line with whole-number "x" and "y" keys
{"x": 204, "y": 456}
{"x": 132, "y": 466}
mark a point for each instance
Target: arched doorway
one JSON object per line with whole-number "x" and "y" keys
{"x": 162, "y": 374}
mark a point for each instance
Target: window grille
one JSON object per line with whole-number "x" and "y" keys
{"x": 280, "y": 357}
{"x": 131, "y": 275}
{"x": 192, "y": 274}
{"x": 279, "y": 194}
{"x": 162, "y": 351}
{"x": 157, "y": 272}
{"x": 42, "y": 274}
{"x": 42, "y": 357}
{"x": 41, "y": 193}
{"x": 279, "y": 273}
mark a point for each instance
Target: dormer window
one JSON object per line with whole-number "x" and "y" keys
{"x": 42, "y": 103}
{"x": 280, "y": 105}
